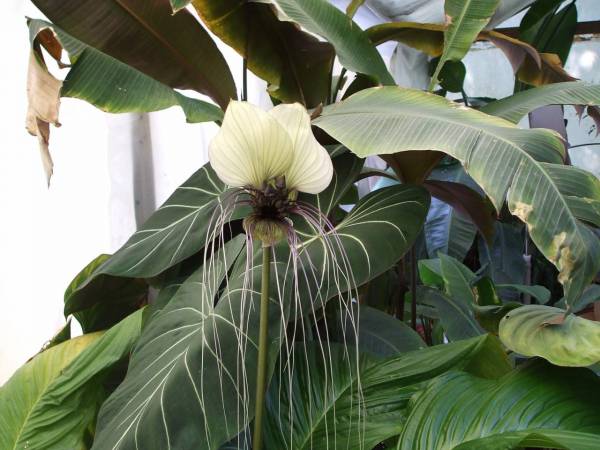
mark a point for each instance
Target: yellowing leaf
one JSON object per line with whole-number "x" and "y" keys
{"x": 537, "y": 330}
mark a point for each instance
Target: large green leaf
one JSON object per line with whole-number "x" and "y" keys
{"x": 539, "y": 402}
{"x": 318, "y": 405}
{"x": 203, "y": 354}
{"x": 120, "y": 297}
{"x": 466, "y": 18}
{"x": 381, "y": 334}
{"x": 515, "y": 107}
{"x": 173, "y": 49}
{"x": 537, "y": 330}
{"x": 455, "y": 305}
{"x": 580, "y": 188}
{"x": 296, "y": 65}
{"x": 112, "y": 85}
{"x": 174, "y": 232}
{"x": 352, "y": 45}
{"x": 504, "y": 160}
{"x": 51, "y": 401}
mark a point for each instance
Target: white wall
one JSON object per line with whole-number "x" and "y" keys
{"x": 46, "y": 235}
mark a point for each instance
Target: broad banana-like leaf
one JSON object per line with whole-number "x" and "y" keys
{"x": 504, "y": 160}
{"x": 113, "y": 86}
{"x": 319, "y": 405}
{"x": 515, "y": 107}
{"x": 538, "y": 330}
{"x": 203, "y": 357}
{"x": 296, "y": 65}
{"x": 352, "y": 45}
{"x": 173, "y": 49}
{"x": 581, "y": 190}
{"x": 466, "y": 18}
{"x": 536, "y": 405}
{"x": 51, "y": 401}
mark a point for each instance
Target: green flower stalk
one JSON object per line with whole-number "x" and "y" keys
{"x": 270, "y": 157}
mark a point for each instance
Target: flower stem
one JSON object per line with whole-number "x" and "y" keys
{"x": 261, "y": 372}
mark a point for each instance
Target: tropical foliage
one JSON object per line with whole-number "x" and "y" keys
{"x": 402, "y": 318}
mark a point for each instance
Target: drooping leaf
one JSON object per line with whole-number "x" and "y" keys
{"x": 535, "y": 405}
{"x": 465, "y": 19}
{"x": 296, "y": 65}
{"x": 515, "y": 107}
{"x": 504, "y": 160}
{"x": 43, "y": 97}
{"x": 352, "y": 45}
{"x": 515, "y": 50}
{"x": 426, "y": 37}
{"x": 51, "y": 401}
{"x": 317, "y": 406}
{"x": 114, "y": 86}
{"x": 173, "y": 49}
{"x": 537, "y": 330}
{"x": 550, "y": 71}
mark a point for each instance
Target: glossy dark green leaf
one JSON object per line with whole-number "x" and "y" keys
{"x": 200, "y": 358}
{"x": 173, "y": 49}
{"x": 382, "y": 335}
{"x": 118, "y": 297}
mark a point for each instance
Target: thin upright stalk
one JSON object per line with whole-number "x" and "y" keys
{"x": 263, "y": 337}
{"x": 413, "y": 287}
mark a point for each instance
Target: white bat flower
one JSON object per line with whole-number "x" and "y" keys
{"x": 254, "y": 147}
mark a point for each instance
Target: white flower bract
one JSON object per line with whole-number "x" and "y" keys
{"x": 254, "y": 146}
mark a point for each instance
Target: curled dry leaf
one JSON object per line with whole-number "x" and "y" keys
{"x": 43, "y": 96}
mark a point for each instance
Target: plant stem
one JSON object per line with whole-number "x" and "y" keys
{"x": 261, "y": 371}
{"x": 413, "y": 287}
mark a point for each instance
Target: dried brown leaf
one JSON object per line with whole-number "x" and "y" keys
{"x": 43, "y": 95}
